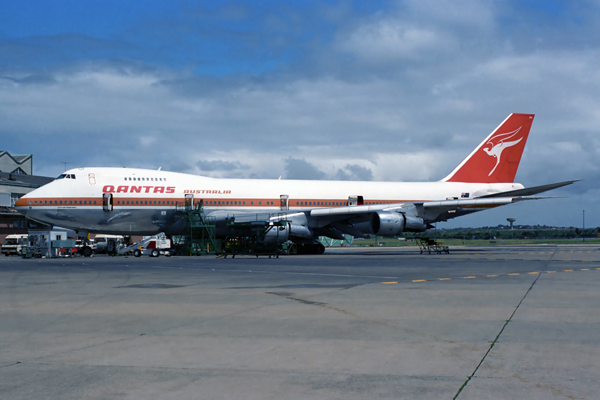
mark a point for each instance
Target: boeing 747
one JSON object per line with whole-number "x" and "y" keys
{"x": 129, "y": 201}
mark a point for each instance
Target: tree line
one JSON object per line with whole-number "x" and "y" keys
{"x": 502, "y": 233}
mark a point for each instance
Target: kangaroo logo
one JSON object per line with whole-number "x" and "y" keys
{"x": 496, "y": 145}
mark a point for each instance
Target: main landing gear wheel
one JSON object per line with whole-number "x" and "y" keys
{"x": 320, "y": 249}
{"x": 310, "y": 248}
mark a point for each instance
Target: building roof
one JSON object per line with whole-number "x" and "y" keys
{"x": 17, "y": 158}
{"x": 31, "y": 181}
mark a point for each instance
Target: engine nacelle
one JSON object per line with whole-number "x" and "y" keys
{"x": 301, "y": 231}
{"x": 385, "y": 223}
{"x": 277, "y": 234}
{"x": 414, "y": 224}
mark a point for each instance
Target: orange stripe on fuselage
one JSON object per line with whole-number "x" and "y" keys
{"x": 223, "y": 202}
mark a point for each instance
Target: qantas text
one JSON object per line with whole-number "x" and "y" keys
{"x": 138, "y": 189}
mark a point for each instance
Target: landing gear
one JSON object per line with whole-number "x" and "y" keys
{"x": 292, "y": 249}
{"x": 310, "y": 248}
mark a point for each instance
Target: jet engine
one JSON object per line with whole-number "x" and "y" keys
{"x": 301, "y": 231}
{"x": 277, "y": 234}
{"x": 384, "y": 223}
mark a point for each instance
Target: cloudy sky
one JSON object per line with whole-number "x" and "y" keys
{"x": 350, "y": 90}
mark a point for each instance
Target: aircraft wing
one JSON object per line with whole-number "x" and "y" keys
{"x": 437, "y": 211}
{"x": 428, "y": 211}
{"x": 530, "y": 191}
{"x": 416, "y": 216}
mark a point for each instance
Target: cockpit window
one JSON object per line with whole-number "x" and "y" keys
{"x": 66, "y": 176}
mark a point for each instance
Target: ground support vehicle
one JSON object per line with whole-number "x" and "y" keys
{"x": 252, "y": 246}
{"x": 108, "y": 244}
{"x": 152, "y": 246}
{"x": 430, "y": 245}
{"x": 48, "y": 244}
{"x": 268, "y": 239}
{"x": 13, "y": 244}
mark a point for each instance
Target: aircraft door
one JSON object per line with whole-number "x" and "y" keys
{"x": 189, "y": 202}
{"x": 284, "y": 202}
{"x": 107, "y": 201}
{"x": 356, "y": 201}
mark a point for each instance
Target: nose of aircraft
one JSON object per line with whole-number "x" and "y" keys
{"x": 22, "y": 205}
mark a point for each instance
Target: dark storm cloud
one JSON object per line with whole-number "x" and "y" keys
{"x": 296, "y": 168}
{"x": 354, "y": 173}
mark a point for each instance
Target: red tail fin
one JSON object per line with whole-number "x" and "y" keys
{"x": 497, "y": 158}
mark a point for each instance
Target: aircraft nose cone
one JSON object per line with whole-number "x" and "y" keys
{"x": 22, "y": 205}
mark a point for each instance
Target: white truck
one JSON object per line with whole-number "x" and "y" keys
{"x": 101, "y": 243}
{"x": 153, "y": 247}
{"x": 13, "y": 244}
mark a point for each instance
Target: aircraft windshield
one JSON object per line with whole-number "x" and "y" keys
{"x": 66, "y": 176}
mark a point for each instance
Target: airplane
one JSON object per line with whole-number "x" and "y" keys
{"x": 129, "y": 201}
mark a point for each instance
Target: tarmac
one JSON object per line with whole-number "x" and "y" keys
{"x": 355, "y": 323}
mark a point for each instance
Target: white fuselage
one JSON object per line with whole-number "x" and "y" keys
{"x": 146, "y": 201}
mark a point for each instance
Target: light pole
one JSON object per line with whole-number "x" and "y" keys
{"x": 583, "y": 232}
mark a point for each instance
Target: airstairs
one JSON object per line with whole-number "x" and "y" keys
{"x": 201, "y": 237}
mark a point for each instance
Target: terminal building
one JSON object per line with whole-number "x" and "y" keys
{"x": 16, "y": 180}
